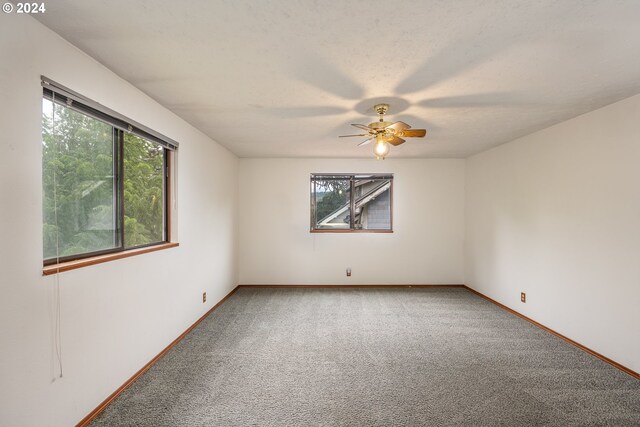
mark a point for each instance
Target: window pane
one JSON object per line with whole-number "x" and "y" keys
{"x": 372, "y": 204}
{"x": 79, "y": 206}
{"x": 143, "y": 191}
{"x": 332, "y": 203}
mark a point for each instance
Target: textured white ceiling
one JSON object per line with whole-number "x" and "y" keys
{"x": 285, "y": 78}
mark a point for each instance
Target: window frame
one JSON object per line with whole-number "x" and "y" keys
{"x": 58, "y": 94}
{"x": 352, "y": 177}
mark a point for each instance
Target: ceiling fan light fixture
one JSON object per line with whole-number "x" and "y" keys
{"x": 381, "y": 147}
{"x": 385, "y": 134}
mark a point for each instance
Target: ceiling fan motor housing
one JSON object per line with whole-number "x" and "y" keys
{"x": 379, "y": 126}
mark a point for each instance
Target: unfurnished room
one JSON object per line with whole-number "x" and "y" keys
{"x": 320, "y": 213}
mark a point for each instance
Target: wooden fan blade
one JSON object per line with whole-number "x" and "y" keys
{"x": 363, "y": 127}
{"x": 347, "y": 136}
{"x": 398, "y": 126}
{"x": 366, "y": 141}
{"x": 396, "y": 141}
{"x": 412, "y": 133}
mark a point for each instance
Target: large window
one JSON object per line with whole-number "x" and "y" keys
{"x": 349, "y": 202}
{"x": 105, "y": 180}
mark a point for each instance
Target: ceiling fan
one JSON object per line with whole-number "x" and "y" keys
{"x": 385, "y": 133}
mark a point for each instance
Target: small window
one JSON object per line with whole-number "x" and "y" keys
{"x": 105, "y": 182}
{"x": 349, "y": 202}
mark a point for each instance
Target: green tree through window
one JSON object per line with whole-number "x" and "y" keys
{"x": 330, "y": 195}
{"x": 143, "y": 191}
{"x": 78, "y": 183}
{"x": 103, "y": 189}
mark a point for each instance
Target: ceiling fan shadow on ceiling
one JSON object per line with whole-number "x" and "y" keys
{"x": 385, "y": 133}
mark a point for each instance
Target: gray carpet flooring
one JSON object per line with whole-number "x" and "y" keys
{"x": 373, "y": 357}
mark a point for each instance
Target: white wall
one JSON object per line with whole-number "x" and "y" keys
{"x": 557, "y": 214}
{"x": 118, "y": 315}
{"x": 426, "y": 246}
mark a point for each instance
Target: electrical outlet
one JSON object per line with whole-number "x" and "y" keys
{"x": 204, "y": 297}
{"x": 348, "y": 272}
{"x": 523, "y": 297}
